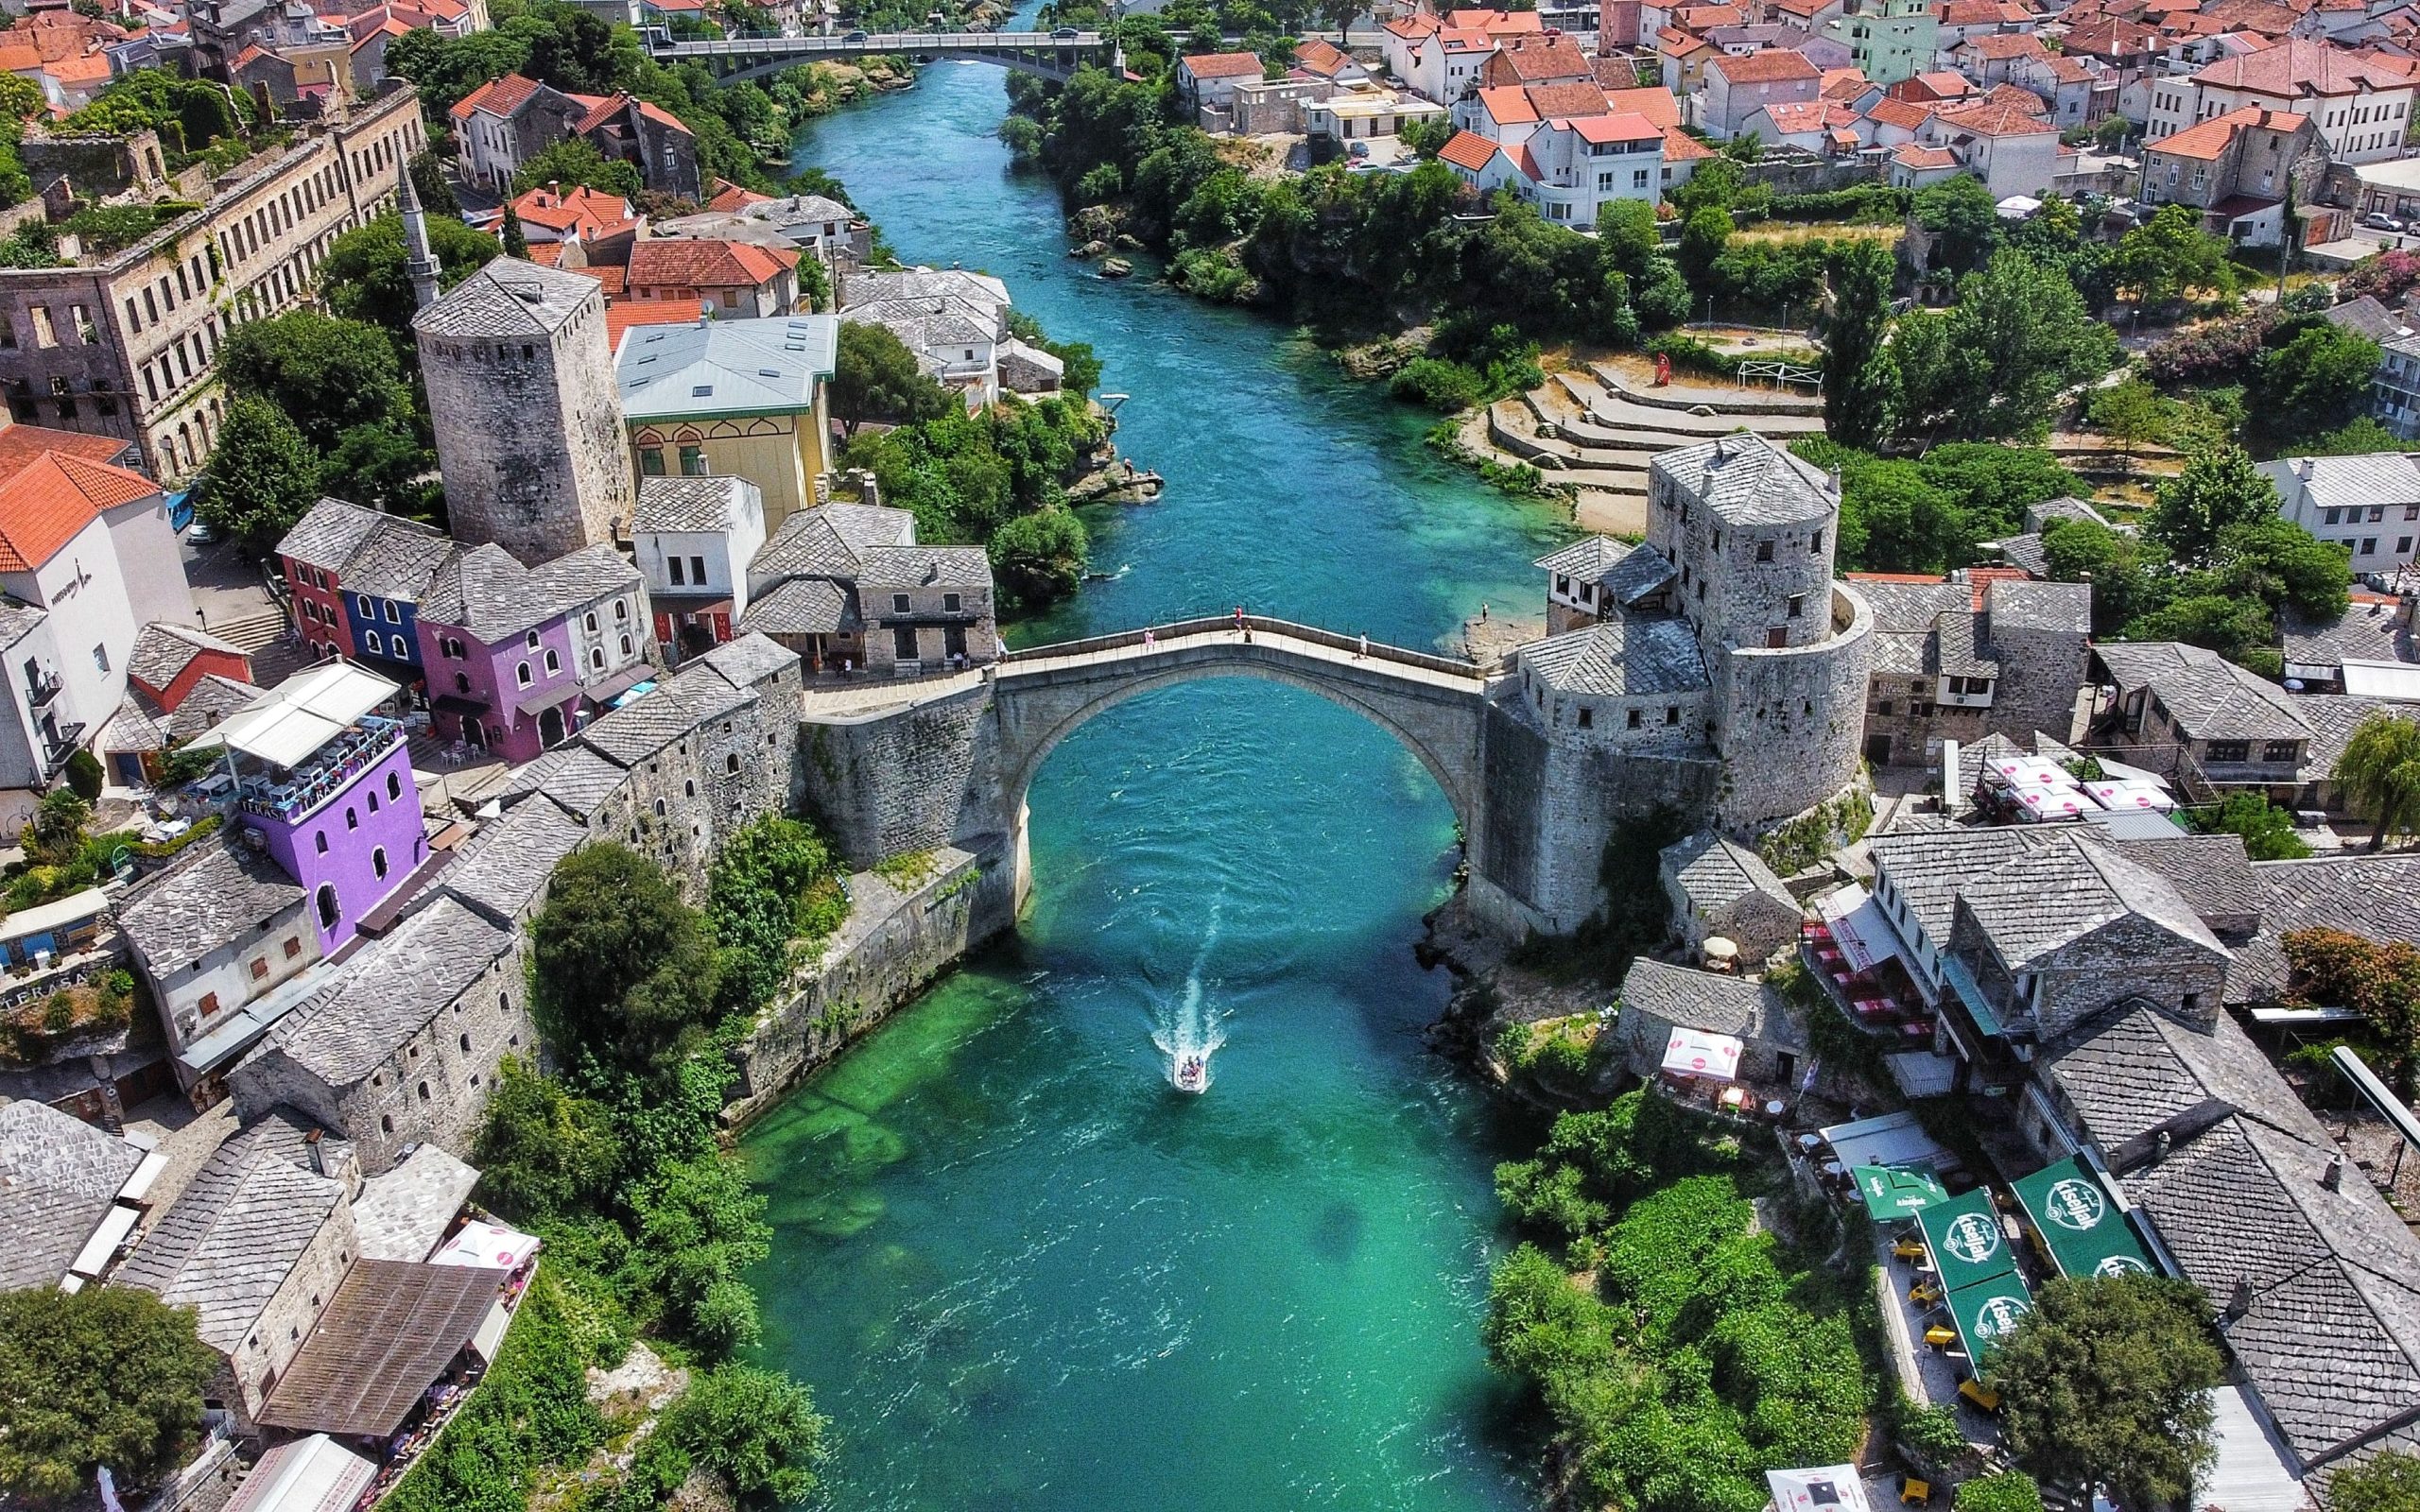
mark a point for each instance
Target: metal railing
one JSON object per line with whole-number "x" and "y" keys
{"x": 855, "y": 43}
{"x": 1260, "y": 625}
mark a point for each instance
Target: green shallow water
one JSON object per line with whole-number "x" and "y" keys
{"x": 1018, "y": 1269}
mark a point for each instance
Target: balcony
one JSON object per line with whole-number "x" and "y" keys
{"x": 328, "y": 772}
{"x": 59, "y": 742}
{"x": 41, "y": 686}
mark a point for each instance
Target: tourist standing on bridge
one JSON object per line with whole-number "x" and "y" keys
{"x": 1364, "y": 654}
{"x": 1240, "y": 619}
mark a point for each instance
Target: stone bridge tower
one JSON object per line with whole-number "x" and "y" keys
{"x": 529, "y": 426}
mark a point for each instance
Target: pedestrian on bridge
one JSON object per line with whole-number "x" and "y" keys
{"x": 1364, "y": 654}
{"x": 1240, "y": 621}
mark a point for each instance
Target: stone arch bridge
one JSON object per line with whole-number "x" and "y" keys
{"x": 1052, "y": 55}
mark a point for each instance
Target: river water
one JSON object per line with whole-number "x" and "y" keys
{"x": 1019, "y": 1270}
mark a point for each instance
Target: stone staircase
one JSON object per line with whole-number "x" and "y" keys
{"x": 252, "y": 631}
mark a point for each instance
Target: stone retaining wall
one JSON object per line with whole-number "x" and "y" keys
{"x": 895, "y": 944}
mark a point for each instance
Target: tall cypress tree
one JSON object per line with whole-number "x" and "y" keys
{"x": 1860, "y": 380}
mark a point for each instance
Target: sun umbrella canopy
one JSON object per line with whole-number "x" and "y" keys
{"x": 1986, "y": 1313}
{"x": 2080, "y": 1223}
{"x": 1825, "y": 1489}
{"x": 1896, "y": 1191}
{"x": 1696, "y": 1053}
{"x": 1968, "y": 1245}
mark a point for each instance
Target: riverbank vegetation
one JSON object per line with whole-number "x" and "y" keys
{"x": 996, "y": 479}
{"x": 1677, "y": 1343}
{"x": 615, "y": 1160}
{"x": 106, "y": 1376}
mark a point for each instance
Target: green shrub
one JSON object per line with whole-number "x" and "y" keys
{"x": 1441, "y": 385}
{"x": 2007, "y": 1491}
{"x": 84, "y": 774}
{"x": 1930, "y": 1429}
{"x": 1561, "y": 1057}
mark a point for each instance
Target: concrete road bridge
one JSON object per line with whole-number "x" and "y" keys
{"x": 1052, "y": 55}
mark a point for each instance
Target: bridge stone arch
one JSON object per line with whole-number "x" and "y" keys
{"x": 1433, "y": 706}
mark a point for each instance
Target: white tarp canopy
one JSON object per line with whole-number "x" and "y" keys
{"x": 2053, "y": 802}
{"x": 492, "y": 1328}
{"x": 2111, "y": 795}
{"x": 1696, "y": 1053}
{"x": 2395, "y": 682}
{"x": 487, "y": 1243}
{"x": 2020, "y": 772}
{"x": 307, "y": 1475}
{"x": 1893, "y": 1139}
{"x": 1825, "y": 1488}
{"x": 95, "y": 1257}
{"x": 1864, "y": 937}
{"x": 303, "y": 713}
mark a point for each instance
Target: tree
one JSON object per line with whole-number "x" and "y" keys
{"x": 574, "y": 163}
{"x": 364, "y": 277}
{"x": 2284, "y": 566}
{"x": 1340, "y": 14}
{"x": 1861, "y": 386}
{"x": 2234, "y": 628}
{"x": 2107, "y": 1382}
{"x": 1041, "y": 556}
{"x": 876, "y": 377}
{"x": 2386, "y": 1482}
{"x": 1702, "y": 238}
{"x": 2268, "y": 831}
{"x": 436, "y": 191}
{"x": 625, "y": 971}
{"x": 757, "y": 1429}
{"x": 2218, "y": 488}
{"x": 2379, "y": 980}
{"x": 2315, "y": 381}
{"x": 544, "y": 1153}
{"x": 262, "y": 477}
{"x": 110, "y": 1375}
{"x": 85, "y": 778}
{"x": 2171, "y": 254}
{"x": 516, "y": 241}
{"x": 56, "y": 833}
{"x": 1964, "y": 220}
{"x": 2379, "y": 773}
{"x": 326, "y": 374}
{"x": 775, "y": 882}
{"x": 2131, "y": 414}
{"x": 2002, "y": 1491}
{"x": 1992, "y": 365}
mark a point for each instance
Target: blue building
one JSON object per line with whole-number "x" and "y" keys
{"x": 356, "y": 580}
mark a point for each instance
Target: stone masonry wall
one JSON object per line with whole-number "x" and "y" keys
{"x": 892, "y": 947}
{"x": 1792, "y": 721}
{"x": 902, "y": 780}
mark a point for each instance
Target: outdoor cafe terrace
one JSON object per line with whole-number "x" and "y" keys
{"x": 289, "y": 794}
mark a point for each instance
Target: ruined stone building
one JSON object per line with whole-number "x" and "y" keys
{"x": 530, "y": 428}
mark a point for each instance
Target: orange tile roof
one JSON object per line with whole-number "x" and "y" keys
{"x": 1468, "y": 150}
{"x": 700, "y": 263}
{"x": 1495, "y": 22}
{"x": 1532, "y": 58}
{"x": 729, "y": 197}
{"x": 1508, "y": 105}
{"x": 623, "y": 313}
{"x": 1656, "y": 104}
{"x": 2300, "y": 69}
{"x": 52, "y": 498}
{"x": 2204, "y": 140}
{"x": 2004, "y": 45}
{"x": 1552, "y": 100}
{"x": 1996, "y": 118}
{"x": 1905, "y": 115}
{"x": 1679, "y": 147}
{"x": 498, "y": 98}
{"x": 1795, "y": 116}
{"x": 1917, "y": 156}
{"x": 1845, "y": 83}
{"x": 579, "y": 210}
{"x": 1772, "y": 66}
{"x": 1222, "y": 65}
{"x": 92, "y": 68}
{"x": 616, "y": 280}
{"x": 1614, "y": 129}
{"x": 21, "y": 445}
{"x": 19, "y": 58}
{"x": 1325, "y": 59}
{"x": 1412, "y": 29}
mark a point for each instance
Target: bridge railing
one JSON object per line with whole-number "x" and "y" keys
{"x": 904, "y": 41}
{"x": 1261, "y": 624}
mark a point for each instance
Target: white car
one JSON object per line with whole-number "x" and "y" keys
{"x": 2378, "y": 222}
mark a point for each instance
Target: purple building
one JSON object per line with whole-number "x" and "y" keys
{"x": 519, "y": 657}
{"x": 323, "y": 785}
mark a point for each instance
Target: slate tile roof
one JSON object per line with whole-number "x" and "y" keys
{"x": 918, "y": 566}
{"x": 161, "y": 651}
{"x": 510, "y": 298}
{"x": 2374, "y": 896}
{"x": 2132, "y": 1070}
{"x": 750, "y": 660}
{"x": 1716, "y": 872}
{"x": 696, "y": 504}
{"x": 828, "y": 542}
{"x": 503, "y": 872}
{"x": 1627, "y": 572}
{"x": 402, "y": 1214}
{"x": 59, "y": 1177}
{"x": 572, "y": 777}
{"x": 388, "y": 992}
{"x": 1623, "y": 655}
{"x": 805, "y": 605}
{"x": 367, "y": 551}
{"x": 1717, "y": 1003}
{"x": 490, "y": 595}
{"x": 2210, "y": 696}
{"x": 2213, "y": 873}
{"x": 2369, "y": 629}
{"x": 231, "y": 1238}
{"x": 1747, "y": 480}
{"x": 640, "y": 729}
{"x": 2333, "y": 717}
{"x": 219, "y": 892}
{"x": 2040, "y": 901}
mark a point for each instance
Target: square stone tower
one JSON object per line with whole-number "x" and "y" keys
{"x": 529, "y": 429}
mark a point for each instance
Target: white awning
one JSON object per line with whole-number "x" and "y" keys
{"x": 138, "y": 1186}
{"x": 2053, "y": 802}
{"x": 2251, "y": 1473}
{"x": 307, "y": 1475}
{"x": 491, "y": 1335}
{"x": 95, "y": 1257}
{"x": 1829, "y": 1488}
{"x": 2395, "y": 682}
{"x": 1864, "y": 937}
{"x": 43, "y": 917}
{"x": 487, "y": 1243}
{"x": 1893, "y": 1139}
{"x": 1696, "y": 1053}
{"x": 303, "y": 713}
{"x": 2110, "y": 795}
{"x": 2021, "y": 772}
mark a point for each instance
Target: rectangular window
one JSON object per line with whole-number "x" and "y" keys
{"x": 1588, "y": 717}
{"x": 697, "y": 571}
{"x": 1637, "y": 717}
{"x": 2378, "y": 512}
{"x": 1764, "y": 551}
{"x": 899, "y": 603}
{"x": 673, "y": 564}
{"x": 2331, "y": 517}
{"x": 2230, "y": 750}
{"x": 293, "y": 946}
{"x": 1797, "y": 605}
{"x": 259, "y": 966}
{"x": 693, "y": 461}
{"x": 903, "y": 643}
{"x": 1672, "y": 713}
{"x": 101, "y": 657}
{"x": 209, "y": 1004}
{"x": 2402, "y": 545}
{"x": 2281, "y": 750}
{"x": 953, "y": 604}
{"x": 2369, "y": 544}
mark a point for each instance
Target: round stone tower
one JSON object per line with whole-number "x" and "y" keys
{"x": 528, "y": 420}
{"x": 1753, "y": 530}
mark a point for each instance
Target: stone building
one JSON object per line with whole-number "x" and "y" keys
{"x": 256, "y": 1244}
{"x": 1978, "y": 653}
{"x": 693, "y": 539}
{"x": 354, "y": 579}
{"x": 402, "y": 1046}
{"x": 125, "y": 345}
{"x": 1721, "y": 888}
{"x": 846, "y": 586}
{"x": 2193, "y": 715}
{"x": 1658, "y": 998}
{"x": 528, "y": 425}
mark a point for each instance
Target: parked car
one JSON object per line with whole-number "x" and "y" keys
{"x": 855, "y": 38}
{"x": 2379, "y": 220}
{"x": 1064, "y": 34}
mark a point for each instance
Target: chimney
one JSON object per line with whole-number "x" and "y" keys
{"x": 2333, "y": 1177}
{"x": 318, "y": 1154}
{"x": 2239, "y": 1300}
{"x": 2160, "y": 1142}
{"x": 2302, "y": 469}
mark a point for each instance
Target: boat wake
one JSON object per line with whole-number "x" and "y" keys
{"x": 1186, "y": 1028}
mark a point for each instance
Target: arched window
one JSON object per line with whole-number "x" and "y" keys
{"x": 626, "y": 646}
{"x": 424, "y": 1092}
{"x": 596, "y": 659}
{"x": 466, "y": 1044}
{"x": 319, "y": 842}
{"x": 327, "y": 902}
{"x": 730, "y": 763}
{"x": 351, "y": 820}
{"x": 521, "y": 673}
{"x": 621, "y": 610}
{"x": 378, "y": 860}
{"x": 690, "y": 789}
{"x": 394, "y": 785}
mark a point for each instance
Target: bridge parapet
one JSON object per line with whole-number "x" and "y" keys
{"x": 1048, "y": 54}
{"x": 1214, "y": 624}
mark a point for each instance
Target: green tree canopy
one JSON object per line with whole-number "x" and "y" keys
{"x": 2268, "y": 831}
{"x": 1040, "y": 556}
{"x": 1964, "y": 217}
{"x": 755, "y": 1429}
{"x": 110, "y": 1375}
{"x": 2379, "y": 774}
{"x": 364, "y": 277}
{"x": 2218, "y": 488}
{"x": 876, "y": 377}
{"x": 545, "y": 1153}
{"x": 2118, "y": 566}
{"x": 575, "y": 163}
{"x": 2378, "y": 979}
{"x": 2171, "y": 255}
{"x": 2107, "y": 1382}
{"x": 2315, "y": 381}
{"x": 1862, "y": 378}
{"x": 624, "y": 970}
{"x": 326, "y": 373}
{"x": 1993, "y": 364}
{"x": 262, "y": 476}
{"x": 2386, "y": 1482}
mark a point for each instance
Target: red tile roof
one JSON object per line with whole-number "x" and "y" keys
{"x": 1495, "y": 22}
{"x": 45, "y": 502}
{"x": 1905, "y": 115}
{"x": 2300, "y": 69}
{"x": 2000, "y": 47}
{"x": 2204, "y": 140}
{"x": 1533, "y": 58}
{"x": 1469, "y": 151}
{"x": 1791, "y": 117}
{"x": 616, "y": 280}
{"x": 1656, "y": 104}
{"x": 1325, "y": 59}
{"x": 1552, "y": 100}
{"x": 1773, "y": 65}
{"x": 623, "y": 313}
{"x": 729, "y": 197}
{"x": 705, "y": 263}
{"x": 501, "y": 96}
{"x": 1508, "y": 105}
{"x": 21, "y": 445}
{"x": 1615, "y": 128}
{"x": 1223, "y": 65}
{"x": 578, "y": 211}
{"x": 1996, "y": 118}
{"x": 1679, "y": 147}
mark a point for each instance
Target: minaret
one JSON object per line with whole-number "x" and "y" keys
{"x": 419, "y": 264}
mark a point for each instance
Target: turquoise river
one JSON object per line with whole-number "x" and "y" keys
{"x": 1019, "y": 1270}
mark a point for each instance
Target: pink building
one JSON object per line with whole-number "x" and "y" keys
{"x": 518, "y": 658}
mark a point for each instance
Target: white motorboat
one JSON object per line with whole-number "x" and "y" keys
{"x": 1192, "y": 1073}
